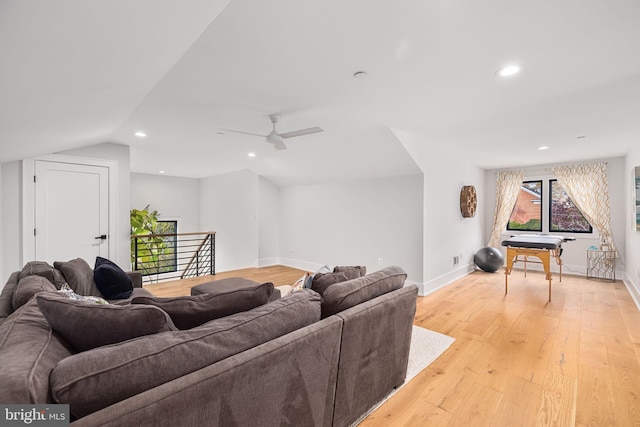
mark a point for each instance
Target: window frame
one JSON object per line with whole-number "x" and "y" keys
{"x": 540, "y": 230}
{"x": 550, "y": 216}
{"x": 546, "y": 205}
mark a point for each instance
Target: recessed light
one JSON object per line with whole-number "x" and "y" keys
{"x": 360, "y": 75}
{"x": 508, "y": 71}
{"x": 140, "y": 134}
{"x": 220, "y": 132}
{"x": 251, "y": 154}
{"x": 581, "y": 137}
{"x": 160, "y": 171}
{"x": 544, "y": 147}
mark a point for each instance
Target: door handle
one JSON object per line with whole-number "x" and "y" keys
{"x": 101, "y": 237}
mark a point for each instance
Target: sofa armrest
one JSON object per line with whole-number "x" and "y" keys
{"x": 290, "y": 379}
{"x": 372, "y": 348}
{"x": 136, "y": 278}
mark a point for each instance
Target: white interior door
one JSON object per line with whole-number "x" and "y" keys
{"x": 71, "y": 211}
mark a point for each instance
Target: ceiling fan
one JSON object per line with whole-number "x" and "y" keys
{"x": 277, "y": 139}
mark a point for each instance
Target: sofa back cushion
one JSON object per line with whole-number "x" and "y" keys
{"x": 86, "y": 325}
{"x": 29, "y": 351}
{"x": 6, "y": 296}
{"x": 100, "y": 377}
{"x": 43, "y": 269}
{"x": 28, "y": 287}
{"x": 343, "y": 295}
{"x": 321, "y": 281}
{"x": 352, "y": 271}
{"x": 190, "y": 311}
{"x": 79, "y": 276}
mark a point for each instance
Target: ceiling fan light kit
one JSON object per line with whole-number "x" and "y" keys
{"x": 277, "y": 139}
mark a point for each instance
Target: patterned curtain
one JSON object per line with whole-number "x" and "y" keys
{"x": 588, "y": 188}
{"x": 508, "y": 184}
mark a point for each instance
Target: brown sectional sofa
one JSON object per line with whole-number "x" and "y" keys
{"x": 304, "y": 359}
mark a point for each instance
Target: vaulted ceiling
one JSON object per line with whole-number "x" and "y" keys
{"x": 75, "y": 73}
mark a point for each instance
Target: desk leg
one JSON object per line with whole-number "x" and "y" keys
{"x": 511, "y": 255}
{"x": 506, "y": 280}
{"x": 556, "y": 255}
{"x": 542, "y": 254}
{"x": 544, "y": 257}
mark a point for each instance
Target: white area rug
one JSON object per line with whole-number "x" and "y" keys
{"x": 426, "y": 346}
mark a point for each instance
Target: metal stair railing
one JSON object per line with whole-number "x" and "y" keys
{"x": 161, "y": 257}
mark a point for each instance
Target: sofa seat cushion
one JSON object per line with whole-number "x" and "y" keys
{"x": 98, "y": 378}
{"x": 340, "y": 296}
{"x": 28, "y": 287}
{"x": 137, "y": 292}
{"x": 29, "y": 351}
{"x": 43, "y": 269}
{"x": 190, "y": 311}
{"x": 79, "y": 276}
{"x": 87, "y": 325}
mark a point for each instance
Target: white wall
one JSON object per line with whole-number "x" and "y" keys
{"x": 445, "y": 232}
{"x": 11, "y": 219}
{"x": 268, "y": 223}
{"x": 354, "y": 223}
{"x": 574, "y": 257}
{"x": 632, "y": 276}
{"x": 2, "y": 280}
{"x": 174, "y": 198}
{"x": 229, "y": 206}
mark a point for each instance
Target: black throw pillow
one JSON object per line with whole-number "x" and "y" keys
{"x": 112, "y": 281}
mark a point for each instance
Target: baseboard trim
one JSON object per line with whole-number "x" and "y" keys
{"x": 446, "y": 279}
{"x": 300, "y": 265}
{"x": 418, "y": 284}
{"x": 633, "y": 290}
{"x": 266, "y": 262}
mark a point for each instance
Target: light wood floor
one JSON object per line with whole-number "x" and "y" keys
{"x": 518, "y": 360}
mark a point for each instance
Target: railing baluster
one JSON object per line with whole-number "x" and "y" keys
{"x": 188, "y": 255}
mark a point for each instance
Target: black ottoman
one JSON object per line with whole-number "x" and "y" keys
{"x": 228, "y": 284}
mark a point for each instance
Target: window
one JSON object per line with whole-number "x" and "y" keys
{"x": 155, "y": 255}
{"x": 527, "y": 213}
{"x": 563, "y": 214}
{"x": 544, "y": 206}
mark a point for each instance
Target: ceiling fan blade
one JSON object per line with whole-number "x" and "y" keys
{"x": 301, "y": 132}
{"x": 243, "y": 132}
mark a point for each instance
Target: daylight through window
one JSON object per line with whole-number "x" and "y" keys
{"x": 563, "y": 214}
{"x": 559, "y": 215}
{"x": 527, "y": 213}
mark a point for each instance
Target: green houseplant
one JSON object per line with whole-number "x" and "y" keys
{"x": 148, "y": 254}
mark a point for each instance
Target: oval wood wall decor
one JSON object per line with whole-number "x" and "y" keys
{"x": 468, "y": 201}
